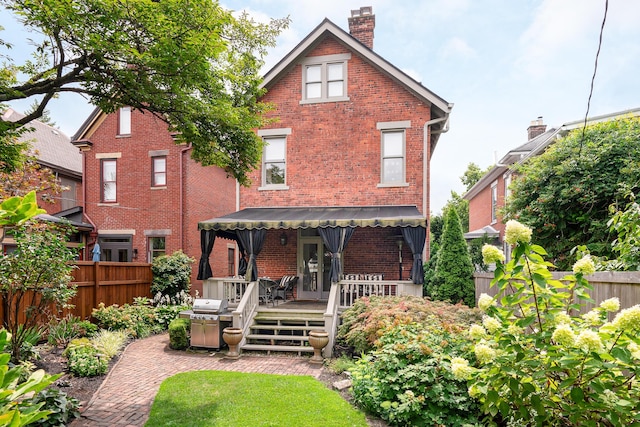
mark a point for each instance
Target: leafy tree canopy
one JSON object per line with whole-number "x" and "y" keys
{"x": 191, "y": 63}
{"x": 565, "y": 194}
{"x": 473, "y": 175}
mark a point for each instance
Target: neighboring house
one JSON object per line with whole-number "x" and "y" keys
{"x": 343, "y": 188}
{"x": 143, "y": 192}
{"x": 487, "y": 197}
{"x": 54, "y": 151}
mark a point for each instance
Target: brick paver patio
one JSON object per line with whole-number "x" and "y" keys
{"x": 126, "y": 395}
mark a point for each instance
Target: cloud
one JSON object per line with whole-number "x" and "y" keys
{"x": 457, "y": 48}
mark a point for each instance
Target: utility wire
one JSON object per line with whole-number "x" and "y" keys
{"x": 593, "y": 78}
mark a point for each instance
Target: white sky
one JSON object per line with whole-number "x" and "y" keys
{"x": 502, "y": 63}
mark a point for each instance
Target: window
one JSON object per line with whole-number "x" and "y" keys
{"x": 156, "y": 247}
{"x": 231, "y": 262}
{"x": 494, "y": 202}
{"x": 124, "y": 122}
{"x": 108, "y": 180}
{"x": 507, "y": 184}
{"x": 393, "y": 156}
{"x": 324, "y": 78}
{"x": 274, "y": 163}
{"x": 159, "y": 171}
{"x": 68, "y": 195}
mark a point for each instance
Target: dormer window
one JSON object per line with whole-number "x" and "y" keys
{"x": 324, "y": 78}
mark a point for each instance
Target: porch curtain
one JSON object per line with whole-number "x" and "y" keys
{"x": 242, "y": 264}
{"x": 252, "y": 241}
{"x": 207, "y": 237}
{"x": 336, "y": 239}
{"x": 416, "y": 238}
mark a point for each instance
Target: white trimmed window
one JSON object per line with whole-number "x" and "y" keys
{"x": 124, "y": 121}
{"x": 109, "y": 169}
{"x": 274, "y": 157}
{"x": 159, "y": 171}
{"x": 393, "y": 153}
{"x": 494, "y": 202}
{"x": 324, "y": 78}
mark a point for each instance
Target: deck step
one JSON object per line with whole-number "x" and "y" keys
{"x": 288, "y": 348}
{"x": 283, "y": 327}
{"x": 278, "y": 337}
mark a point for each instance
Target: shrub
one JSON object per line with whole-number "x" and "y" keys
{"x": 63, "y": 409}
{"x": 137, "y": 320}
{"x": 62, "y": 331}
{"x": 165, "y": 314}
{"x": 366, "y": 321}
{"x": 539, "y": 361}
{"x": 87, "y": 361}
{"x": 408, "y": 380}
{"x": 171, "y": 275}
{"x": 109, "y": 343}
{"x": 179, "y": 333}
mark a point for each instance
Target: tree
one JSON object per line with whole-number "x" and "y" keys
{"x": 453, "y": 279}
{"x": 565, "y": 193}
{"x": 472, "y": 175}
{"x": 190, "y": 63}
{"x": 34, "y": 279}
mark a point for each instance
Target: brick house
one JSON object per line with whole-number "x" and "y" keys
{"x": 54, "y": 151}
{"x": 144, "y": 194}
{"x": 343, "y": 188}
{"x": 487, "y": 197}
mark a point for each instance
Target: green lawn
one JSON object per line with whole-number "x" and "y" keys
{"x": 219, "y": 398}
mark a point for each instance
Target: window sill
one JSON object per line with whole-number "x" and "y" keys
{"x": 324, "y": 100}
{"x": 109, "y": 204}
{"x": 127, "y": 135}
{"x": 393, "y": 184}
{"x": 277, "y": 187}
{"x": 164, "y": 187}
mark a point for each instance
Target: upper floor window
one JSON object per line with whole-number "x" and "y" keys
{"x": 124, "y": 121}
{"x": 274, "y": 157}
{"x": 494, "y": 202}
{"x": 108, "y": 183}
{"x": 159, "y": 171}
{"x": 324, "y": 78}
{"x": 507, "y": 184}
{"x": 393, "y": 152}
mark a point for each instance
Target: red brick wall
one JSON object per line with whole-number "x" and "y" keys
{"x": 480, "y": 208}
{"x": 207, "y": 192}
{"x": 333, "y": 152}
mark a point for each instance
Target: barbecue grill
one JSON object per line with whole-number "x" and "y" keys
{"x": 208, "y": 319}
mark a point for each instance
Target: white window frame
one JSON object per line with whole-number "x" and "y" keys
{"x": 494, "y": 202}
{"x": 507, "y": 183}
{"x": 151, "y": 252}
{"x": 124, "y": 121}
{"x": 266, "y": 135}
{"x": 156, "y": 173}
{"x": 387, "y": 128}
{"x": 323, "y": 62}
{"x": 103, "y": 181}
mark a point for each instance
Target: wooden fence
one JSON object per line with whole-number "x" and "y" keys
{"x": 606, "y": 284}
{"x": 106, "y": 282}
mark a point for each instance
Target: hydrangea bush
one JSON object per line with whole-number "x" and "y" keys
{"x": 539, "y": 361}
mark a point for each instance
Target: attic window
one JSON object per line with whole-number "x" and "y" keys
{"x": 324, "y": 78}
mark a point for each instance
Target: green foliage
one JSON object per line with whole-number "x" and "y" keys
{"x": 179, "y": 333}
{"x": 475, "y": 251}
{"x": 87, "y": 361}
{"x": 138, "y": 320}
{"x": 109, "y": 343}
{"x": 407, "y": 380}
{"x": 430, "y": 270}
{"x": 63, "y": 409}
{"x": 34, "y": 278}
{"x": 540, "y": 362}
{"x": 171, "y": 276}
{"x": 565, "y": 193}
{"x": 16, "y": 210}
{"x": 62, "y": 331}
{"x": 76, "y": 343}
{"x": 626, "y": 225}
{"x": 472, "y": 175}
{"x": 166, "y": 313}
{"x": 453, "y": 279}
{"x": 16, "y": 409}
{"x": 190, "y": 63}
{"x": 369, "y": 317}
{"x": 341, "y": 364}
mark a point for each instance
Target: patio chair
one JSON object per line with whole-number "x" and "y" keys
{"x": 285, "y": 287}
{"x": 265, "y": 291}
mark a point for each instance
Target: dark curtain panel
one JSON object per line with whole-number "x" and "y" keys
{"x": 336, "y": 239}
{"x": 207, "y": 237}
{"x": 242, "y": 265}
{"x": 252, "y": 241}
{"x": 416, "y": 238}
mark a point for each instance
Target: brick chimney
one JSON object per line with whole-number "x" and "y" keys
{"x": 536, "y": 128}
{"x": 361, "y": 25}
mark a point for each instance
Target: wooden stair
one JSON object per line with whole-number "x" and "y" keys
{"x": 283, "y": 330}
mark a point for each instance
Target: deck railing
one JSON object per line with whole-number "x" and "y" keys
{"x": 351, "y": 290}
{"x": 244, "y": 312}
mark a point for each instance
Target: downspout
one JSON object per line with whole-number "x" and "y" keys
{"x": 84, "y": 199}
{"x": 425, "y": 171}
{"x": 181, "y": 191}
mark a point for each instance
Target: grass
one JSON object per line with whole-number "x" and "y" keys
{"x": 220, "y": 398}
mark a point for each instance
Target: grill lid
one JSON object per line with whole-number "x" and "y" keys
{"x": 209, "y": 306}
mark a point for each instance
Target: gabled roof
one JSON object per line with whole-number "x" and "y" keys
{"x": 487, "y": 230}
{"x": 54, "y": 147}
{"x": 439, "y": 107}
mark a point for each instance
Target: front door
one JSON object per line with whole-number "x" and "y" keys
{"x": 313, "y": 269}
